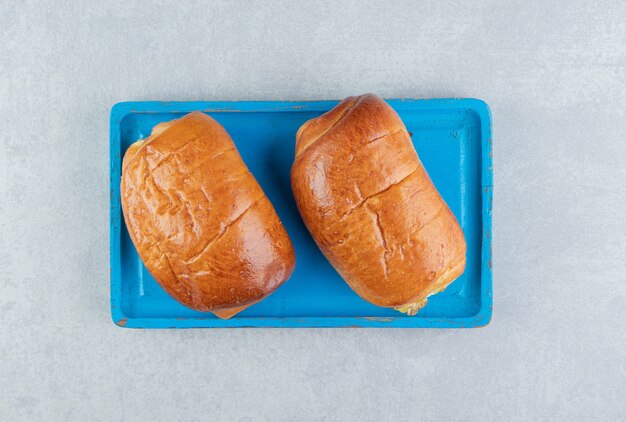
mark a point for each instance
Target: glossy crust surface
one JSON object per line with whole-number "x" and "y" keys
{"x": 199, "y": 220}
{"x": 372, "y": 209}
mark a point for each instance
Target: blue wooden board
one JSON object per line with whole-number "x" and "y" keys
{"x": 453, "y": 140}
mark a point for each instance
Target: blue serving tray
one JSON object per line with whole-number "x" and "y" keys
{"x": 453, "y": 139}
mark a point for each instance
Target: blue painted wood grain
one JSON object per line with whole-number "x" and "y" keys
{"x": 453, "y": 138}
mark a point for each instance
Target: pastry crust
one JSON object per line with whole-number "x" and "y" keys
{"x": 371, "y": 207}
{"x": 199, "y": 220}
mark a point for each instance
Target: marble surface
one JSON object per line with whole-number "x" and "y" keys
{"x": 554, "y": 74}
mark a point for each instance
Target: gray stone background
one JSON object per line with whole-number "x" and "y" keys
{"x": 554, "y": 74}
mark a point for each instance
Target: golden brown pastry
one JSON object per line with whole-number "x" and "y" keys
{"x": 200, "y": 221}
{"x": 368, "y": 202}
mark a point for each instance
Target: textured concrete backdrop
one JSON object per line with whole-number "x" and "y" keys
{"x": 554, "y": 74}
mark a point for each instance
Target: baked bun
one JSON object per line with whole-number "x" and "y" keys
{"x": 372, "y": 209}
{"x": 200, "y": 221}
